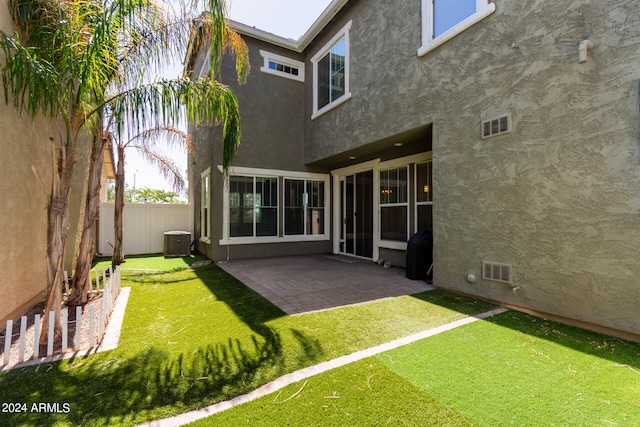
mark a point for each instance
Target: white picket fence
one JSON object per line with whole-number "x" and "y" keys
{"x": 107, "y": 284}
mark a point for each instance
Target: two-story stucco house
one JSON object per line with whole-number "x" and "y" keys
{"x": 509, "y": 128}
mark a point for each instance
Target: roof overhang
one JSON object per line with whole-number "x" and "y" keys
{"x": 295, "y": 45}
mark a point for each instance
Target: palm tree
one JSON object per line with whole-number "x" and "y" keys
{"x": 145, "y": 143}
{"x": 74, "y": 59}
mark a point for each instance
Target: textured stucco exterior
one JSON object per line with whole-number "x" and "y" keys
{"x": 25, "y": 148}
{"x": 272, "y": 111}
{"x": 23, "y": 215}
{"x": 558, "y": 197}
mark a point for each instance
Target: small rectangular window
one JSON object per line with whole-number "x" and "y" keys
{"x": 282, "y": 66}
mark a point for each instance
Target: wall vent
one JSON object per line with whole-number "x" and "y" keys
{"x": 497, "y": 271}
{"x": 497, "y": 126}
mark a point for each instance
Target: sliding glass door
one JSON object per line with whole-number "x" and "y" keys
{"x": 356, "y": 206}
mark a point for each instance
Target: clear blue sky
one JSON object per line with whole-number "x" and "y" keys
{"x": 286, "y": 18}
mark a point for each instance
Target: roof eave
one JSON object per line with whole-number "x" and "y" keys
{"x": 295, "y": 45}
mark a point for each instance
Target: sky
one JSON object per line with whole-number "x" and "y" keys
{"x": 286, "y": 18}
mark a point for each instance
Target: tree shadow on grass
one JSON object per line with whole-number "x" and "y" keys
{"x": 150, "y": 385}
{"x": 108, "y": 389}
{"x": 114, "y": 388}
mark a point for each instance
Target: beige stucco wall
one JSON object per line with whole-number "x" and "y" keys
{"x": 23, "y": 205}
{"x": 25, "y": 146}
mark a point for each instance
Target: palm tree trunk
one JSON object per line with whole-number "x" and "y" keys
{"x": 118, "y": 255}
{"x": 86, "y": 250}
{"x": 58, "y": 223}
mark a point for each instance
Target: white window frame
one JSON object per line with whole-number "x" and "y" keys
{"x": 281, "y": 175}
{"x": 279, "y": 59}
{"x": 391, "y": 205}
{"x": 205, "y": 207}
{"x": 376, "y": 165}
{"x": 254, "y": 237}
{"x": 483, "y": 9}
{"x": 417, "y": 203}
{"x": 344, "y": 33}
{"x": 305, "y": 206}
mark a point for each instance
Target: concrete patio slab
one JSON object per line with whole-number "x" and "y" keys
{"x": 305, "y": 283}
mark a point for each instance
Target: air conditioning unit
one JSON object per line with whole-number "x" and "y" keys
{"x": 177, "y": 243}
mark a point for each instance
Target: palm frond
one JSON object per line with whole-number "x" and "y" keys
{"x": 167, "y": 102}
{"x": 33, "y": 83}
{"x": 165, "y": 165}
{"x": 171, "y": 136}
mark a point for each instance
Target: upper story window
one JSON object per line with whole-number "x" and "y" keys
{"x": 282, "y": 66}
{"x": 444, "y": 19}
{"x": 331, "y": 73}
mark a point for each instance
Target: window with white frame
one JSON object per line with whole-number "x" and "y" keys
{"x": 255, "y": 210}
{"x": 331, "y": 73}
{"x": 282, "y": 66}
{"x": 444, "y": 19}
{"x": 253, "y": 206}
{"x": 304, "y": 207}
{"x": 205, "y": 206}
{"x": 424, "y": 197}
{"x": 394, "y": 204}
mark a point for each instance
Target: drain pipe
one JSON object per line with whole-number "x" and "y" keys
{"x": 585, "y": 45}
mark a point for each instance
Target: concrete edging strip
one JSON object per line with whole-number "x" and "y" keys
{"x": 302, "y": 374}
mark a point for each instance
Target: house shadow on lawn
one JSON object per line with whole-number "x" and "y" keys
{"x": 461, "y": 304}
{"x": 619, "y": 351}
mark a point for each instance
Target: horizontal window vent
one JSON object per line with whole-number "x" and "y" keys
{"x": 498, "y": 126}
{"x": 497, "y": 271}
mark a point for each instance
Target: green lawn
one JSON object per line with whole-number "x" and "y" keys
{"x": 195, "y": 337}
{"x": 509, "y": 370}
{"x": 152, "y": 262}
